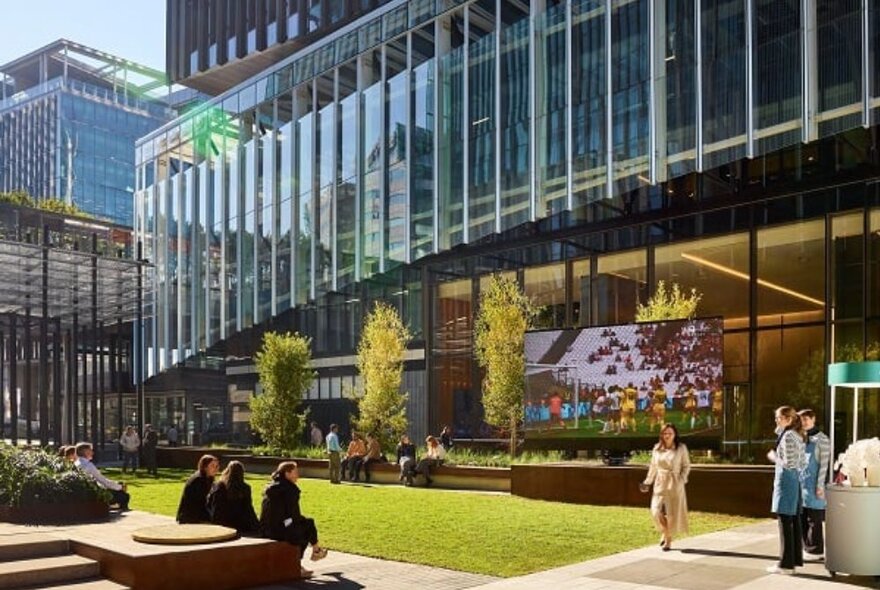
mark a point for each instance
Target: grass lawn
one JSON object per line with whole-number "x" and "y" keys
{"x": 492, "y": 534}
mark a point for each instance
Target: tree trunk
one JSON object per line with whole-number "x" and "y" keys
{"x": 512, "y": 437}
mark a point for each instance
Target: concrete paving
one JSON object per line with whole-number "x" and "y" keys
{"x": 734, "y": 559}
{"x": 728, "y": 560}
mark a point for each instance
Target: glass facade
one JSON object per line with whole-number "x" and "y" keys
{"x": 539, "y": 139}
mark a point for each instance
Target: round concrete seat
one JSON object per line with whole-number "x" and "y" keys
{"x": 184, "y": 534}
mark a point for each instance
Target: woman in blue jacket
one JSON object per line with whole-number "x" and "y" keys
{"x": 818, "y": 450}
{"x": 790, "y": 461}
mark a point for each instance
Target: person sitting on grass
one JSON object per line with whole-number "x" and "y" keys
{"x": 193, "y": 506}
{"x": 406, "y": 460}
{"x": 354, "y": 458}
{"x": 229, "y": 501}
{"x": 434, "y": 457}
{"x": 374, "y": 455}
{"x": 84, "y": 455}
{"x": 281, "y": 518}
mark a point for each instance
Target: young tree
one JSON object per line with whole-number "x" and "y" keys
{"x": 284, "y": 365}
{"x": 669, "y": 304}
{"x": 382, "y": 407}
{"x": 499, "y": 340}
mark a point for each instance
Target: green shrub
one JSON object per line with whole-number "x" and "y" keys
{"x": 296, "y": 453}
{"x": 29, "y": 477}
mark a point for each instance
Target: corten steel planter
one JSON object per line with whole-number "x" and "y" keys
{"x": 62, "y": 513}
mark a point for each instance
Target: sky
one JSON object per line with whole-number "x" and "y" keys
{"x": 131, "y": 29}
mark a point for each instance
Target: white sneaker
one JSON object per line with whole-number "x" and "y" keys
{"x": 813, "y": 556}
{"x": 775, "y": 569}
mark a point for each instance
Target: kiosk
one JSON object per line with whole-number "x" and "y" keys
{"x": 852, "y": 518}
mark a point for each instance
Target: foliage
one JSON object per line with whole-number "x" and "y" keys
{"x": 30, "y": 477}
{"x": 402, "y": 524}
{"x": 382, "y": 407}
{"x": 473, "y": 458}
{"x": 54, "y": 205}
{"x": 298, "y": 452}
{"x": 669, "y": 303}
{"x": 20, "y": 198}
{"x": 51, "y": 204}
{"x": 284, "y": 366}
{"x": 499, "y": 341}
{"x": 811, "y": 382}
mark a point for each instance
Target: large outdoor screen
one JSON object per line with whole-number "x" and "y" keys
{"x": 625, "y": 381}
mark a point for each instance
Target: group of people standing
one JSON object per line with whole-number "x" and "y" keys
{"x": 801, "y": 457}
{"x": 227, "y": 502}
{"x": 137, "y": 451}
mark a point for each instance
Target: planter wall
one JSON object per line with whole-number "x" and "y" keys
{"x": 55, "y": 513}
{"x": 739, "y": 490}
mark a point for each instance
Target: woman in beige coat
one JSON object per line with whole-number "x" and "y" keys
{"x": 670, "y": 465}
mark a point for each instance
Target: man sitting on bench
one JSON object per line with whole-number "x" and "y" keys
{"x": 84, "y": 454}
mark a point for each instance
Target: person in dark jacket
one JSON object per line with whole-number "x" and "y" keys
{"x": 281, "y": 518}
{"x": 229, "y": 502}
{"x": 193, "y": 506}
{"x": 406, "y": 460}
{"x": 148, "y": 449}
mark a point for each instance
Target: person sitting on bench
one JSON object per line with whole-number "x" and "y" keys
{"x": 434, "y": 457}
{"x": 84, "y": 454}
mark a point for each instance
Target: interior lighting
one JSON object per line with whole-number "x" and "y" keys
{"x": 745, "y": 276}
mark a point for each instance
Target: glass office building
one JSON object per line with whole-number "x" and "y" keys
{"x": 590, "y": 148}
{"x": 69, "y": 119}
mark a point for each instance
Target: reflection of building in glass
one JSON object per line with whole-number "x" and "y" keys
{"x": 69, "y": 118}
{"x": 590, "y": 148}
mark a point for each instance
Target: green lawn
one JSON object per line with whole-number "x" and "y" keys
{"x": 491, "y": 534}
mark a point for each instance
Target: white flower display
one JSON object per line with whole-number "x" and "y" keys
{"x": 861, "y": 457}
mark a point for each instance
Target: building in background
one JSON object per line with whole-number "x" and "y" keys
{"x": 69, "y": 119}
{"x": 590, "y": 148}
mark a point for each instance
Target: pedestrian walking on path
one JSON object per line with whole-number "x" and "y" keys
{"x": 668, "y": 474}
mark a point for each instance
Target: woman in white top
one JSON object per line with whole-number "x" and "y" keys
{"x": 668, "y": 473}
{"x": 434, "y": 457}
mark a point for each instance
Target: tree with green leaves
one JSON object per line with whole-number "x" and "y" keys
{"x": 669, "y": 303}
{"x": 284, "y": 366}
{"x": 499, "y": 340}
{"x": 381, "y": 350}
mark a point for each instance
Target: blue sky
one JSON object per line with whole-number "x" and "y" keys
{"x": 133, "y": 29}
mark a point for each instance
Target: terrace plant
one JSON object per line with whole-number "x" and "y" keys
{"x": 499, "y": 341}
{"x": 669, "y": 303}
{"x": 381, "y": 350}
{"x": 284, "y": 366}
{"x": 30, "y": 477}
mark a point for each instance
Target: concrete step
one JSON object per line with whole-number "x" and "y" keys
{"x": 46, "y": 571}
{"x": 96, "y": 584}
{"x": 31, "y": 546}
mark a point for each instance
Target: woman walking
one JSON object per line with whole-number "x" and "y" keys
{"x": 668, "y": 473}
{"x": 281, "y": 518}
{"x": 790, "y": 460}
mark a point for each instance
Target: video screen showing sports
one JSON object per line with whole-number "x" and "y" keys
{"x": 625, "y": 380}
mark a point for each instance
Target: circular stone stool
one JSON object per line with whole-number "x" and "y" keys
{"x": 184, "y": 534}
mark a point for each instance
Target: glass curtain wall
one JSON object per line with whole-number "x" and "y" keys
{"x": 304, "y": 217}
{"x": 723, "y": 30}
{"x": 630, "y": 93}
{"x": 346, "y": 168}
{"x": 284, "y": 188}
{"x": 514, "y": 116}
{"x": 679, "y": 85}
{"x": 372, "y": 164}
{"x": 326, "y": 168}
{"x": 550, "y": 115}
{"x": 451, "y": 134}
{"x": 839, "y": 64}
{"x": 421, "y": 195}
{"x": 777, "y": 74}
{"x": 396, "y": 133}
{"x": 482, "y": 119}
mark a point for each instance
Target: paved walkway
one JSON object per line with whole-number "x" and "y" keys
{"x": 728, "y": 560}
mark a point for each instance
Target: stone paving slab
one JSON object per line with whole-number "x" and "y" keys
{"x": 344, "y": 571}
